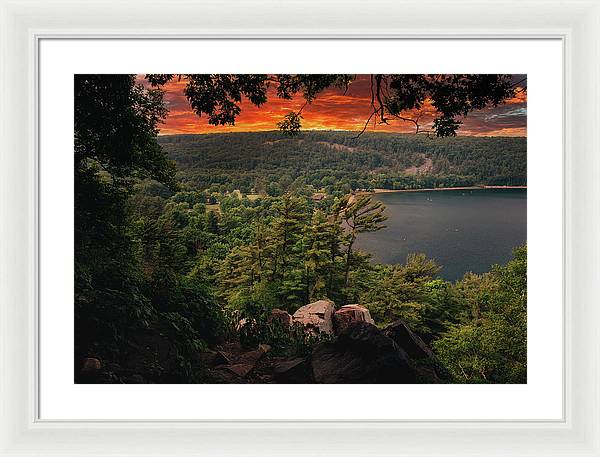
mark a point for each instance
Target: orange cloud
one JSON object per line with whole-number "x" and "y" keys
{"x": 334, "y": 110}
{"x": 519, "y": 97}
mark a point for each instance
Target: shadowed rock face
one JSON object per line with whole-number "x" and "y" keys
{"x": 233, "y": 364}
{"x": 292, "y": 371}
{"x": 408, "y": 340}
{"x": 347, "y": 314}
{"x": 429, "y": 370}
{"x": 316, "y": 317}
{"x": 362, "y": 354}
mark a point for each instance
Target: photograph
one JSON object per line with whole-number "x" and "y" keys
{"x": 300, "y": 228}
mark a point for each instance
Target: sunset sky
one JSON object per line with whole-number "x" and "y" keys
{"x": 332, "y": 110}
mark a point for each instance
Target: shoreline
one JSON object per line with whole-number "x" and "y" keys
{"x": 385, "y": 191}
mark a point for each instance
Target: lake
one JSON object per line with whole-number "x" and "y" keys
{"x": 463, "y": 230}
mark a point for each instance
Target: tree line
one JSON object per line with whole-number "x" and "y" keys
{"x": 268, "y": 162}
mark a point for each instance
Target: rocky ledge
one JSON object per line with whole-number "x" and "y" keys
{"x": 354, "y": 350}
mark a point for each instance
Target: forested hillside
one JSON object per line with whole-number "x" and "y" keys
{"x": 268, "y": 162}
{"x": 178, "y": 279}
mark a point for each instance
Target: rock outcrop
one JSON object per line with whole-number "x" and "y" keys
{"x": 316, "y": 317}
{"x": 91, "y": 365}
{"x": 429, "y": 370}
{"x": 281, "y": 317}
{"x": 347, "y": 314}
{"x": 242, "y": 364}
{"x": 292, "y": 371}
{"x": 408, "y": 340}
{"x": 361, "y": 354}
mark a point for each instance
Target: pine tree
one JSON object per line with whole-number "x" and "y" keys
{"x": 360, "y": 215}
{"x": 286, "y": 232}
{"x": 318, "y": 259}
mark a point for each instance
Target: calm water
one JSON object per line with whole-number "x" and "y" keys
{"x": 463, "y": 231}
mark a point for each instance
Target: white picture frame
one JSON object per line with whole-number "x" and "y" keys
{"x": 24, "y": 23}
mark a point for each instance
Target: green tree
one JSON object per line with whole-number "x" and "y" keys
{"x": 322, "y": 246}
{"x": 360, "y": 215}
{"x": 116, "y": 123}
{"x": 410, "y": 292}
{"x": 492, "y": 346}
{"x": 212, "y": 222}
{"x": 286, "y": 231}
{"x": 131, "y": 262}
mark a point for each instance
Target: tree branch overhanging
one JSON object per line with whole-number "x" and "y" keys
{"x": 219, "y": 96}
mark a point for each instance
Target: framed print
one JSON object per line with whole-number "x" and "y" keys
{"x": 271, "y": 222}
{"x": 247, "y": 272}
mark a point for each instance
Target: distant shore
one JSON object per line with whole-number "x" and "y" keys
{"x": 385, "y": 191}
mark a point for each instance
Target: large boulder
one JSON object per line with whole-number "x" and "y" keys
{"x": 280, "y": 317}
{"x": 361, "y": 354}
{"x": 408, "y": 340}
{"x": 429, "y": 370}
{"x": 316, "y": 317}
{"x": 347, "y": 314}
